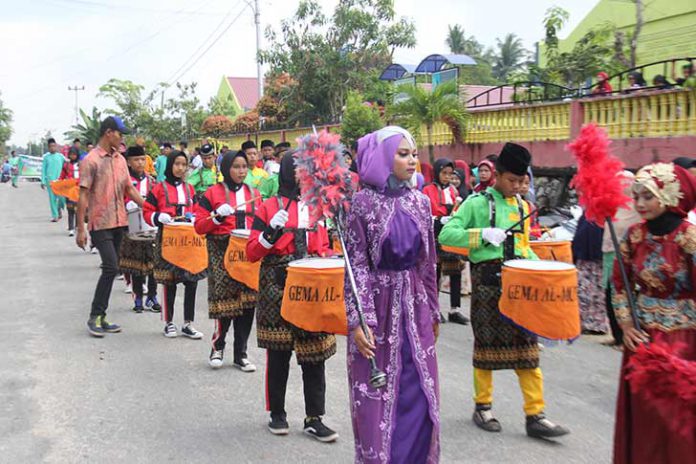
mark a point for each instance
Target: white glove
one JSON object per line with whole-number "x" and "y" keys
{"x": 164, "y": 218}
{"x": 458, "y": 200}
{"x": 494, "y": 235}
{"x": 445, "y": 219}
{"x": 279, "y": 220}
{"x": 224, "y": 210}
{"x": 131, "y": 206}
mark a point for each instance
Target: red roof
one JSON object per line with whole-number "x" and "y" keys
{"x": 247, "y": 91}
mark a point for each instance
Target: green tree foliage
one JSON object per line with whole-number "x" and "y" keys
{"x": 5, "y": 125}
{"x": 423, "y": 108}
{"x": 459, "y": 43}
{"x": 359, "y": 118}
{"x": 511, "y": 57}
{"x": 88, "y": 130}
{"x": 328, "y": 56}
{"x": 216, "y": 126}
{"x": 128, "y": 98}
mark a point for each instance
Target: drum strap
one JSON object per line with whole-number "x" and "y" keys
{"x": 179, "y": 207}
{"x": 239, "y": 215}
{"x": 509, "y": 245}
{"x": 443, "y": 200}
{"x": 299, "y": 235}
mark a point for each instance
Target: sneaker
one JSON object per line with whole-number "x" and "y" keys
{"x": 138, "y": 306}
{"x": 483, "y": 418}
{"x": 539, "y": 426}
{"x": 94, "y": 327}
{"x": 153, "y": 305}
{"x": 455, "y": 316}
{"x": 190, "y": 331}
{"x": 71, "y": 233}
{"x": 314, "y": 427}
{"x": 442, "y": 318}
{"x": 109, "y": 328}
{"x": 244, "y": 365}
{"x": 215, "y": 360}
{"x": 128, "y": 290}
{"x": 278, "y": 425}
{"x": 170, "y": 330}
{"x": 93, "y": 250}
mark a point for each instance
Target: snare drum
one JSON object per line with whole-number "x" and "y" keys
{"x": 184, "y": 248}
{"x": 138, "y": 229}
{"x": 541, "y": 297}
{"x": 236, "y": 263}
{"x": 553, "y": 250}
{"x": 313, "y": 296}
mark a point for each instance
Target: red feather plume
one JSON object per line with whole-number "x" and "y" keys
{"x": 601, "y": 190}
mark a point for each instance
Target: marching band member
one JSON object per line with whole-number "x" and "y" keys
{"x": 207, "y": 175}
{"x": 398, "y": 291}
{"x": 225, "y": 207}
{"x": 71, "y": 170}
{"x": 480, "y": 225}
{"x": 256, "y": 173}
{"x": 169, "y": 201}
{"x": 280, "y": 234}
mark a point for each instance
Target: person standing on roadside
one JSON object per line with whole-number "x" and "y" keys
{"x": 104, "y": 182}
{"x": 51, "y": 166}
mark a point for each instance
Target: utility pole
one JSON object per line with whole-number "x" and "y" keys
{"x": 77, "y": 108}
{"x": 257, "y": 21}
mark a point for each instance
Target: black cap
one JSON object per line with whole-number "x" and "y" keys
{"x": 248, "y": 144}
{"x": 267, "y": 143}
{"x": 207, "y": 150}
{"x": 513, "y": 158}
{"x": 283, "y": 145}
{"x": 134, "y": 151}
{"x": 113, "y": 123}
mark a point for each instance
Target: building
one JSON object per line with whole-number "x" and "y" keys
{"x": 238, "y": 94}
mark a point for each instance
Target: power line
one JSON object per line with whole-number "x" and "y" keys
{"x": 126, "y": 8}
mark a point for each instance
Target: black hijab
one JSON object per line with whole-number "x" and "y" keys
{"x": 225, "y": 166}
{"x": 168, "y": 172}
{"x": 441, "y": 164}
{"x": 76, "y": 152}
{"x": 463, "y": 189}
{"x": 287, "y": 185}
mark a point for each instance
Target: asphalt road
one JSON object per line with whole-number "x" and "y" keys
{"x": 138, "y": 397}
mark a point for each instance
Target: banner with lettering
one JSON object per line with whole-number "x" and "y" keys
{"x": 184, "y": 248}
{"x": 313, "y": 300}
{"x": 543, "y": 302}
{"x": 237, "y": 265}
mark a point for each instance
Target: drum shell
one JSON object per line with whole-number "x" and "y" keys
{"x": 553, "y": 250}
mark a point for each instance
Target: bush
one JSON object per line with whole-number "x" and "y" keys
{"x": 359, "y": 118}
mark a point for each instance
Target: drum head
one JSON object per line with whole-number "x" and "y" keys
{"x": 548, "y": 242}
{"x": 243, "y": 233}
{"x": 538, "y": 265}
{"x": 181, "y": 224}
{"x": 319, "y": 263}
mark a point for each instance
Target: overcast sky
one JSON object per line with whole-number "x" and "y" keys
{"x": 48, "y": 45}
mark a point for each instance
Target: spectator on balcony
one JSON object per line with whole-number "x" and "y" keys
{"x": 687, "y": 74}
{"x": 660, "y": 82}
{"x": 635, "y": 81}
{"x": 603, "y": 87}
{"x": 486, "y": 175}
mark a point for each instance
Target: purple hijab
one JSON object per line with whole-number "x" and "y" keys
{"x": 376, "y": 155}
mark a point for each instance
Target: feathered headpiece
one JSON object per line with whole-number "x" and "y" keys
{"x": 598, "y": 181}
{"x": 326, "y": 184}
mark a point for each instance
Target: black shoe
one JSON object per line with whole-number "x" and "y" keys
{"x": 314, "y": 427}
{"x": 456, "y": 317}
{"x": 138, "y": 305}
{"x": 483, "y": 418}
{"x": 539, "y": 426}
{"x": 442, "y": 318}
{"x": 278, "y": 425}
{"x": 94, "y": 327}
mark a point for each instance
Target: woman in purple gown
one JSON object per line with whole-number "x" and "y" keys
{"x": 391, "y": 246}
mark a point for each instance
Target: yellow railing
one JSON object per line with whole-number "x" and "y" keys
{"x": 649, "y": 114}
{"x": 520, "y": 123}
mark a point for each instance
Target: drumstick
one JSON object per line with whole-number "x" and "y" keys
{"x": 212, "y": 214}
{"x": 509, "y": 229}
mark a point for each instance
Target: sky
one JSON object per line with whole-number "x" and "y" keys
{"x": 47, "y": 46}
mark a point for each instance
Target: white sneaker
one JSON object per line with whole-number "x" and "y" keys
{"x": 215, "y": 360}
{"x": 71, "y": 233}
{"x": 128, "y": 290}
{"x": 94, "y": 250}
{"x": 190, "y": 331}
{"x": 170, "y": 330}
{"x": 244, "y": 365}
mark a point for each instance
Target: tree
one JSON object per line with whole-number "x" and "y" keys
{"x": 327, "y": 57}
{"x": 359, "y": 118}
{"x": 5, "y": 125}
{"x": 510, "y": 58}
{"x": 620, "y": 40}
{"x": 89, "y": 129}
{"x": 222, "y": 106}
{"x": 216, "y": 126}
{"x": 423, "y": 107}
{"x": 456, "y": 39}
{"x": 128, "y": 99}
{"x": 459, "y": 43}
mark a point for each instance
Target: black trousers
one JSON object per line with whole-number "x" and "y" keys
{"x": 137, "y": 282}
{"x": 242, "y": 328}
{"x": 616, "y": 331}
{"x": 313, "y": 378}
{"x": 189, "y": 301}
{"x": 71, "y": 219}
{"x": 108, "y": 242}
{"x": 455, "y": 288}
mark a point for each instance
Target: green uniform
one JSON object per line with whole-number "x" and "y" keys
{"x": 203, "y": 178}
{"x": 254, "y": 177}
{"x": 269, "y": 187}
{"x": 51, "y": 165}
{"x": 16, "y": 165}
{"x": 160, "y": 167}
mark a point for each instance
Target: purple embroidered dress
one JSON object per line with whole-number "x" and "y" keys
{"x": 391, "y": 245}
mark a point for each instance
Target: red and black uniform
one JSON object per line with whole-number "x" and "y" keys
{"x": 277, "y": 248}
{"x": 71, "y": 170}
{"x": 229, "y": 302}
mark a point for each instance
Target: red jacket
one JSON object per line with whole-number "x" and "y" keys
{"x": 164, "y": 198}
{"x": 144, "y": 186}
{"x": 68, "y": 171}
{"x": 437, "y": 199}
{"x": 218, "y": 195}
{"x": 317, "y": 241}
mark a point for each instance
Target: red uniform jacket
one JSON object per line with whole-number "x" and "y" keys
{"x": 144, "y": 186}
{"x": 164, "y": 198}
{"x": 437, "y": 199}
{"x": 317, "y": 241}
{"x": 218, "y": 195}
{"x": 70, "y": 171}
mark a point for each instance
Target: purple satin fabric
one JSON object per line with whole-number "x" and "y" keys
{"x": 402, "y": 245}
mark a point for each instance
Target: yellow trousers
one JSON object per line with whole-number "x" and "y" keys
{"x": 531, "y": 383}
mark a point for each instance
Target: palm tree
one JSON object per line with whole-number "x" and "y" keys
{"x": 456, "y": 39}
{"x": 89, "y": 129}
{"x": 510, "y": 58}
{"x": 422, "y": 107}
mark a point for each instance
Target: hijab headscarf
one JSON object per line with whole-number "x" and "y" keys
{"x": 376, "y": 156}
{"x": 441, "y": 164}
{"x": 169, "y": 170}
{"x": 76, "y": 152}
{"x": 225, "y": 165}
{"x": 287, "y": 184}
{"x": 427, "y": 171}
{"x": 481, "y": 186}
{"x": 463, "y": 189}
{"x": 673, "y": 186}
